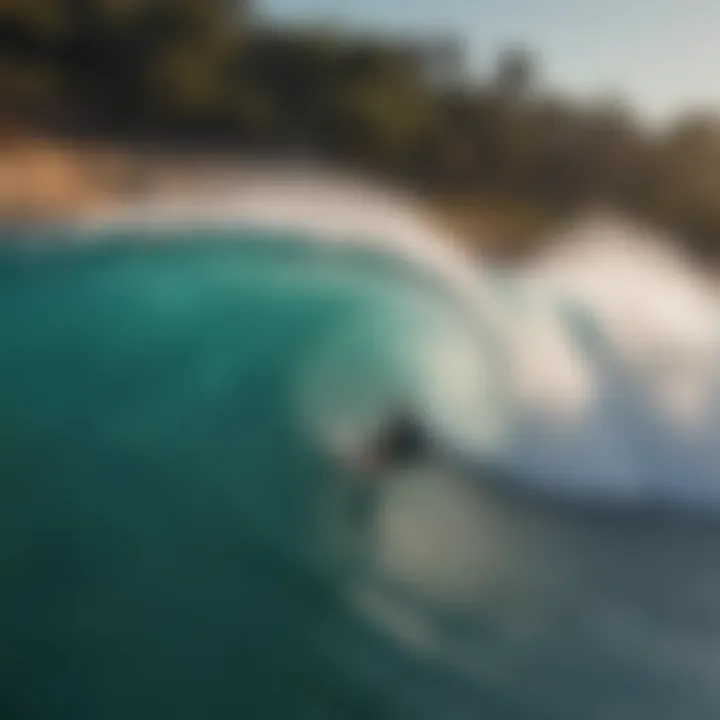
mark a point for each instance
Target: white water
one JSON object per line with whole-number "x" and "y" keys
{"x": 609, "y": 379}
{"x": 613, "y": 306}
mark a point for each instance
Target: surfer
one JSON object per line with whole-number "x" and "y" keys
{"x": 401, "y": 441}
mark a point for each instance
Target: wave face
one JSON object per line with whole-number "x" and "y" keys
{"x": 179, "y": 539}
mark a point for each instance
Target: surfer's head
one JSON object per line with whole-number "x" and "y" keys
{"x": 401, "y": 441}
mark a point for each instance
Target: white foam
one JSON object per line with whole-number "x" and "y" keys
{"x": 650, "y": 423}
{"x": 634, "y": 410}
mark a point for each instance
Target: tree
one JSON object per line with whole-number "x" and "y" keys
{"x": 515, "y": 74}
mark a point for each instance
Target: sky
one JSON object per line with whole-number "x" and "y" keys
{"x": 663, "y": 56}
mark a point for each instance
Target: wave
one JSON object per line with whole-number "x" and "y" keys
{"x": 591, "y": 370}
{"x": 177, "y": 527}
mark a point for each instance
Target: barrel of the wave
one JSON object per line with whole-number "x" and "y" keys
{"x": 170, "y": 540}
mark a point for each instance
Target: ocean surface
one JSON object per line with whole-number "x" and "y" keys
{"x": 181, "y": 537}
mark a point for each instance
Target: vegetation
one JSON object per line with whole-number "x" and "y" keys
{"x": 208, "y": 72}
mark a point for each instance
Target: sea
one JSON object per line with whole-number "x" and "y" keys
{"x": 184, "y": 534}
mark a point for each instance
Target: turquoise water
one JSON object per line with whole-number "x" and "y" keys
{"x": 178, "y": 540}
